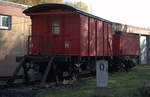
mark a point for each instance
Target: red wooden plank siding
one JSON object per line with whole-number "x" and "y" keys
{"x": 129, "y": 44}
{"x": 92, "y": 37}
{"x": 116, "y": 45}
{"x": 100, "y": 38}
{"x": 84, "y": 42}
{"x": 96, "y": 38}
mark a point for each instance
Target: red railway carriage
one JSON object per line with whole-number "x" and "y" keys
{"x": 125, "y": 44}
{"x": 64, "y": 30}
{"x": 66, "y": 41}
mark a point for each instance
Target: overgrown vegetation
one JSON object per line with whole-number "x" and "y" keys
{"x": 125, "y": 84}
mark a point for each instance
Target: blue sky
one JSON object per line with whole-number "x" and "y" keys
{"x": 131, "y": 12}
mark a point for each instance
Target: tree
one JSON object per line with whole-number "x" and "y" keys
{"x": 28, "y": 2}
{"x": 80, "y": 5}
{"x": 54, "y": 1}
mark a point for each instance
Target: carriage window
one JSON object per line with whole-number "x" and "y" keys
{"x": 55, "y": 26}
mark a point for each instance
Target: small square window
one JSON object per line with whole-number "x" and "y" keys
{"x": 55, "y": 26}
{"x": 4, "y": 22}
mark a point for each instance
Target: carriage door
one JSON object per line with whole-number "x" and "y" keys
{"x": 55, "y": 37}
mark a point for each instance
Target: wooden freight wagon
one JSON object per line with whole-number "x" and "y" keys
{"x": 143, "y": 40}
{"x": 125, "y": 44}
{"x": 59, "y": 29}
{"x": 66, "y": 42}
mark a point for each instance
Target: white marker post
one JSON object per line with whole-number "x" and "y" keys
{"x": 101, "y": 78}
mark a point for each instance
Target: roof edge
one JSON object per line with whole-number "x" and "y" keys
{"x": 65, "y": 5}
{"x": 46, "y": 5}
